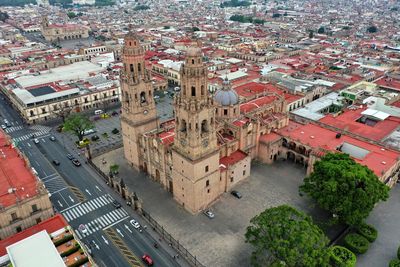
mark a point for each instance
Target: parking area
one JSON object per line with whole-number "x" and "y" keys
{"x": 219, "y": 241}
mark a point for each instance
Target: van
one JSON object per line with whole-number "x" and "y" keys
{"x": 98, "y": 112}
{"x": 177, "y": 89}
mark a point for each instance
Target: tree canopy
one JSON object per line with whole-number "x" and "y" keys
{"x": 345, "y": 188}
{"x": 321, "y": 30}
{"x": 284, "y": 234}
{"x": 234, "y": 3}
{"x": 71, "y": 14}
{"x": 245, "y": 19}
{"x": 77, "y": 124}
{"x": 372, "y": 29}
{"x": 16, "y": 2}
{"x": 141, "y": 7}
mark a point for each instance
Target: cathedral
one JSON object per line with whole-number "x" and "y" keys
{"x": 208, "y": 147}
{"x": 59, "y": 32}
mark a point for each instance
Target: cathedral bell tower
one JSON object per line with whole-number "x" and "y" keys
{"x": 139, "y": 114}
{"x": 195, "y": 152}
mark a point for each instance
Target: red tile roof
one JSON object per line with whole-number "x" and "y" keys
{"x": 51, "y": 225}
{"x": 271, "y": 137}
{"x": 232, "y": 159}
{"x": 389, "y": 83}
{"x": 16, "y": 179}
{"x": 379, "y": 160}
{"x": 167, "y": 137}
{"x": 257, "y": 103}
{"x": 347, "y": 120}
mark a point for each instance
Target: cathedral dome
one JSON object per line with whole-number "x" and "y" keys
{"x": 226, "y": 96}
{"x": 193, "y": 52}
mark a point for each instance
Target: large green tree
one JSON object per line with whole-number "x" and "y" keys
{"x": 77, "y": 124}
{"x": 284, "y": 234}
{"x": 344, "y": 187}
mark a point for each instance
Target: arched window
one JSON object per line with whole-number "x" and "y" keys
{"x": 142, "y": 97}
{"x": 192, "y": 61}
{"x": 202, "y": 90}
{"x": 204, "y": 126}
{"x": 193, "y": 91}
{"x": 131, "y": 67}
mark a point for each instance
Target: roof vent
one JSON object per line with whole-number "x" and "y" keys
{"x": 302, "y": 132}
{"x": 384, "y": 162}
{"x": 312, "y": 136}
{"x": 382, "y": 149}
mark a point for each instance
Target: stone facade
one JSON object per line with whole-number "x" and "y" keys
{"x": 54, "y": 32}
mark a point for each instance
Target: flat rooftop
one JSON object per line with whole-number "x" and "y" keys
{"x": 17, "y": 182}
{"x": 35, "y": 251}
{"x": 74, "y": 71}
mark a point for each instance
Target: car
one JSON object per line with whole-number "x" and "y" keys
{"x": 95, "y": 137}
{"x": 114, "y": 113}
{"x": 52, "y": 138}
{"x": 3, "y": 126}
{"x": 209, "y": 214}
{"x": 156, "y": 97}
{"x": 116, "y": 204}
{"x": 36, "y": 141}
{"x": 236, "y": 194}
{"x": 135, "y": 224}
{"x": 69, "y": 156}
{"x": 56, "y": 162}
{"x": 146, "y": 258}
{"x": 83, "y": 229}
{"x": 76, "y": 162}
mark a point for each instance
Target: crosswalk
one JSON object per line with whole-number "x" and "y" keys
{"x": 14, "y": 129}
{"x": 102, "y": 222}
{"x": 40, "y": 128}
{"x": 54, "y": 183}
{"x": 28, "y": 136}
{"x": 87, "y": 207}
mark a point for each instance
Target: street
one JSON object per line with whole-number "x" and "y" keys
{"x": 83, "y": 198}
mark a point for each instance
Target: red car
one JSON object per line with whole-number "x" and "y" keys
{"x": 146, "y": 258}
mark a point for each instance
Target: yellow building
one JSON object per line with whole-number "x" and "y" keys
{"x": 59, "y": 32}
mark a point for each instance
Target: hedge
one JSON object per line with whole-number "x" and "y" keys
{"x": 79, "y": 262}
{"x": 342, "y": 257}
{"x": 367, "y": 231}
{"x": 70, "y": 251}
{"x": 394, "y": 263}
{"x": 63, "y": 240}
{"x": 356, "y": 243}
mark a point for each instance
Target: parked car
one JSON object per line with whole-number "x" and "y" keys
{"x": 146, "y": 258}
{"x": 52, "y": 138}
{"x": 3, "y": 126}
{"x": 236, "y": 194}
{"x": 76, "y": 162}
{"x": 69, "y": 156}
{"x": 156, "y": 97}
{"x": 114, "y": 113}
{"x": 116, "y": 204}
{"x": 135, "y": 224}
{"x": 56, "y": 162}
{"x": 95, "y": 137}
{"x": 36, "y": 141}
{"x": 209, "y": 214}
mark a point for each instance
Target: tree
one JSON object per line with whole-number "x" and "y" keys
{"x": 77, "y": 124}
{"x": 276, "y": 15}
{"x": 3, "y": 16}
{"x": 141, "y": 7}
{"x": 311, "y": 34}
{"x": 372, "y": 29}
{"x": 195, "y": 29}
{"x": 114, "y": 169}
{"x": 321, "y": 30}
{"x": 71, "y": 14}
{"x": 284, "y": 234}
{"x": 345, "y": 188}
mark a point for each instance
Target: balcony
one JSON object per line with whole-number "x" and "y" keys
{"x": 36, "y": 211}
{"x": 15, "y": 220}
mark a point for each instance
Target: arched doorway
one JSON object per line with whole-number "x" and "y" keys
{"x": 157, "y": 175}
{"x": 290, "y": 156}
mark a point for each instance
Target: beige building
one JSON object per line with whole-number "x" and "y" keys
{"x": 24, "y": 201}
{"x": 56, "y": 32}
{"x": 207, "y": 148}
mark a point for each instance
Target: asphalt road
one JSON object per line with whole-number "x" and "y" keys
{"x": 80, "y": 195}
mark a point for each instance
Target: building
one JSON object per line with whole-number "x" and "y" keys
{"x": 59, "y": 32}
{"x": 24, "y": 201}
{"x": 56, "y": 92}
{"x": 207, "y": 148}
{"x": 44, "y": 245}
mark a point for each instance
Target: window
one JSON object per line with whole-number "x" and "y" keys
{"x": 193, "y": 91}
{"x": 131, "y": 67}
{"x": 113, "y": 93}
{"x": 139, "y": 67}
{"x": 192, "y": 61}
{"x": 244, "y": 173}
{"x": 66, "y": 104}
{"x": 142, "y": 97}
{"x": 55, "y": 107}
{"x": 208, "y": 190}
{"x": 34, "y": 208}
{"x": 206, "y": 168}
{"x": 18, "y": 229}
{"x": 86, "y": 100}
{"x": 105, "y": 95}
{"x": 95, "y": 98}
{"x": 231, "y": 179}
{"x": 225, "y": 112}
{"x": 76, "y": 101}
{"x": 207, "y": 182}
{"x": 202, "y": 90}
{"x": 14, "y": 216}
{"x": 38, "y": 220}
{"x": 43, "y": 110}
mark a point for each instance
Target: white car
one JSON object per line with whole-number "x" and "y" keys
{"x": 36, "y": 141}
{"x": 3, "y": 127}
{"x": 209, "y": 214}
{"x": 83, "y": 229}
{"x": 135, "y": 224}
